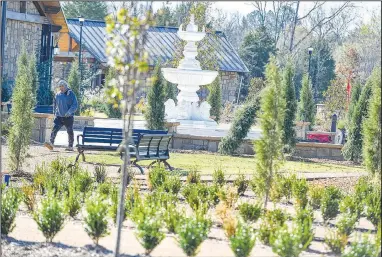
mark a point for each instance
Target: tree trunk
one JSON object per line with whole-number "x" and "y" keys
{"x": 294, "y": 27}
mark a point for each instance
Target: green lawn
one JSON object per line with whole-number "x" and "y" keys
{"x": 206, "y": 163}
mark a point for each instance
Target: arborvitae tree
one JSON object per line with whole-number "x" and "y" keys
{"x": 74, "y": 82}
{"x": 215, "y": 98}
{"x": 355, "y": 94}
{"x": 306, "y": 107}
{"x": 242, "y": 122}
{"x": 170, "y": 90}
{"x": 289, "y": 94}
{"x": 34, "y": 74}
{"x": 154, "y": 114}
{"x": 352, "y": 149}
{"x": 372, "y": 127}
{"x": 112, "y": 109}
{"x": 23, "y": 101}
{"x": 268, "y": 148}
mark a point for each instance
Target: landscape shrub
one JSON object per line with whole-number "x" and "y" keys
{"x": 218, "y": 177}
{"x": 275, "y": 192}
{"x": 84, "y": 181}
{"x": 241, "y": 183}
{"x": 230, "y": 224}
{"x": 346, "y": 224}
{"x": 250, "y": 212}
{"x": 300, "y": 192}
{"x": 191, "y": 233}
{"x": 100, "y": 173}
{"x": 304, "y": 225}
{"x": 72, "y": 201}
{"x": 287, "y": 184}
{"x": 40, "y": 177}
{"x": 29, "y": 196}
{"x": 114, "y": 198}
{"x": 104, "y": 188}
{"x": 10, "y": 204}
{"x": 378, "y": 239}
{"x": 330, "y": 203}
{"x": 160, "y": 198}
{"x": 243, "y": 240}
{"x": 157, "y": 176}
{"x": 287, "y": 242}
{"x": 172, "y": 184}
{"x": 271, "y": 222}
{"x": 315, "y": 193}
{"x": 372, "y": 204}
{"x": 193, "y": 175}
{"x": 349, "y": 206}
{"x": 149, "y": 224}
{"x": 336, "y": 241}
{"x": 172, "y": 217}
{"x": 59, "y": 165}
{"x": 229, "y": 195}
{"x": 50, "y": 217}
{"x": 132, "y": 199}
{"x": 362, "y": 248}
{"x": 197, "y": 195}
{"x": 96, "y": 225}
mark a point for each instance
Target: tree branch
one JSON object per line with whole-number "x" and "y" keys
{"x": 316, "y": 6}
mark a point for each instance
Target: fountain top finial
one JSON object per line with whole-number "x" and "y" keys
{"x": 191, "y": 27}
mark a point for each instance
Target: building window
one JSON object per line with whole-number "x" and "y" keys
{"x": 23, "y": 7}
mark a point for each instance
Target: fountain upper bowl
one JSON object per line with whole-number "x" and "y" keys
{"x": 189, "y": 77}
{"x": 191, "y": 36}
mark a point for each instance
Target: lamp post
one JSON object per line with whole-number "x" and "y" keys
{"x": 81, "y": 20}
{"x": 310, "y": 51}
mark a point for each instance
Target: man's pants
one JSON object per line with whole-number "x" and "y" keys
{"x": 68, "y": 123}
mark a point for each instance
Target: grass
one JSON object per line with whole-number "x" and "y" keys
{"x": 207, "y": 163}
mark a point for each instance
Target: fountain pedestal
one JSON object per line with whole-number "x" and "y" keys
{"x": 189, "y": 77}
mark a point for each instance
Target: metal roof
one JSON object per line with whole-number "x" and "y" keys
{"x": 160, "y": 44}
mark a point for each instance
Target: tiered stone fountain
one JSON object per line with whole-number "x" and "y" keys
{"x": 189, "y": 77}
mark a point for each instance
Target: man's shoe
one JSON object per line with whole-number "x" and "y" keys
{"x": 48, "y": 145}
{"x": 69, "y": 149}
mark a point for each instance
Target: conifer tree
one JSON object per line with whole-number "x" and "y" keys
{"x": 372, "y": 127}
{"x": 155, "y": 111}
{"x": 268, "y": 148}
{"x": 112, "y": 109}
{"x": 355, "y": 94}
{"x": 242, "y": 122}
{"x": 352, "y": 149}
{"x": 74, "y": 82}
{"x": 170, "y": 90}
{"x": 289, "y": 94}
{"x": 215, "y": 98}
{"x": 23, "y": 101}
{"x": 306, "y": 107}
{"x": 34, "y": 74}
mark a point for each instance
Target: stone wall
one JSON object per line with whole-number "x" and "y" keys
{"x": 319, "y": 150}
{"x": 230, "y": 83}
{"x": 17, "y": 33}
{"x": 61, "y": 70}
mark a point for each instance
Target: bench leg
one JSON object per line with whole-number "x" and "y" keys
{"x": 168, "y": 165}
{"x": 83, "y": 156}
{"x": 138, "y": 166}
{"x": 151, "y": 164}
{"x": 78, "y": 156}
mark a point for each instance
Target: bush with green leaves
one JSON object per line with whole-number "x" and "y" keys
{"x": 172, "y": 184}
{"x": 157, "y": 176}
{"x": 193, "y": 175}
{"x": 349, "y": 206}
{"x": 372, "y": 204}
{"x": 330, "y": 203}
{"x": 228, "y": 195}
{"x": 286, "y": 185}
{"x": 250, "y": 212}
{"x": 84, "y": 181}
{"x": 197, "y": 195}
{"x": 149, "y": 223}
{"x": 11, "y": 199}
{"x": 300, "y": 192}
{"x": 346, "y": 224}
{"x": 271, "y": 222}
{"x": 172, "y": 217}
{"x": 72, "y": 201}
{"x": 218, "y": 176}
{"x": 50, "y": 216}
{"x": 241, "y": 183}
{"x": 96, "y": 225}
{"x": 243, "y": 240}
{"x": 304, "y": 224}
{"x": 40, "y": 176}
{"x": 362, "y": 248}
{"x": 336, "y": 241}
{"x": 215, "y": 98}
{"x": 29, "y": 196}
{"x": 192, "y": 232}
{"x": 315, "y": 193}
{"x": 132, "y": 199}
{"x": 100, "y": 173}
{"x": 104, "y": 188}
{"x": 287, "y": 242}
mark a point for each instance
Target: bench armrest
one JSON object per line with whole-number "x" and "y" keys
{"x": 78, "y": 139}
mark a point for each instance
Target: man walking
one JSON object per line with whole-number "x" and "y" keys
{"x": 65, "y": 105}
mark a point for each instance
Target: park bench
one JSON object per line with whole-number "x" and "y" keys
{"x": 38, "y": 108}
{"x": 145, "y": 144}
